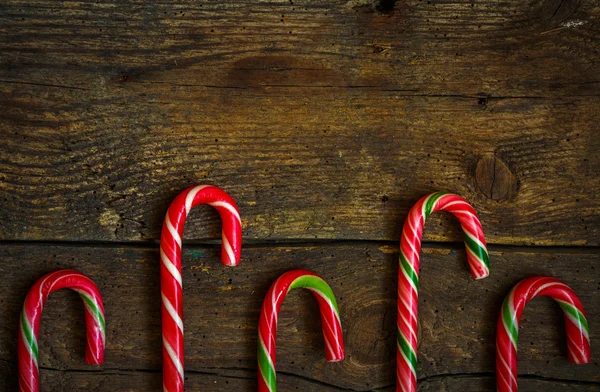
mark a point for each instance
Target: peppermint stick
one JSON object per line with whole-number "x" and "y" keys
{"x": 578, "y": 339}
{"x": 267, "y": 325}
{"x": 408, "y": 273}
{"x": 170, "y": 269}
{"x": 29, "y": 325}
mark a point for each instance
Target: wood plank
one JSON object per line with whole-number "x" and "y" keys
{"x": 128, "y": 381}
{"x": 456, "y": 47}
{"x": 458, "y": 315}
{"x": 328, "y": 164}
{"x": 332, "y": 131}
{"x": 487, "y": 383}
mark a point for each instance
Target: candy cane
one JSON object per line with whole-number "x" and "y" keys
{"x": 170, "y": 269}
{"x": 578, "y": 339}
{"x": 267, "y": 325}
{"x": 29, "y": 325}
{"x": 408, "y": 274}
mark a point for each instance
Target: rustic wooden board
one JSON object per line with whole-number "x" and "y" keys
{"x": 480, "y": 383}
{"x": 458, "y": 317}
{"x": 481, "y": 49}
{"x": 325, "y": 121}
{"x": 112, "y": 181}
{"x": 331, "y": 131}
{"x": 246, "y": 381}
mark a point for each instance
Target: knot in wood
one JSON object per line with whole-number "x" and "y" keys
{"x": 494, "y": 178}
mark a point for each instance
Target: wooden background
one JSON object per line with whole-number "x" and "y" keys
{"x": 325, "y": 121}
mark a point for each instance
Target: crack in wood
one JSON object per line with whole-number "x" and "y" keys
{"x": 223, "y": 373}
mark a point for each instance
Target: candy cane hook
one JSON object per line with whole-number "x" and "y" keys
{"x": 408, "y": 273}
{"x": 31, "y": 315}
{"x": 267, "y": 325}
{"x": 170, "y": 269}
{"x": 578, "y": 339}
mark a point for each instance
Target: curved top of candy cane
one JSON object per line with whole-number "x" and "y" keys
{"x": 205, "y": 194}
{"x": 31, "y": 315}
{"x": 330, "y": 322}
{"x": 578, "y": 340}
{"x": 410, "y": 242}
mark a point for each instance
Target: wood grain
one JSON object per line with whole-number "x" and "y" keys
{"x": 325, "y": 121}
{"x": 110, "y": 180}
{"x": 457, "y": 315}
{"x": 128, "y": 381}
{"x": 332, "y": 131}
{"x": 481, "y": 49}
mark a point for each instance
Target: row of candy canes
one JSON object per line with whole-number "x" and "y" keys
{"x": 171, "y": 293}
{"x": 477, "y": 256}
{"x": 508, "y": 322}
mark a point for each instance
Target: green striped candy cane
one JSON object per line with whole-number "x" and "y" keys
{"x": 408, "y": 273}
{"x": 578, "y": 338}
{"x": 29, "y": 325}
{"x": 267, "y": 326}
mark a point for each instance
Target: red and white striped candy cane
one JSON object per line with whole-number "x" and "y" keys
{"x": 31, "y": 315}
{"x": 170, "y": 269}
{"x": 578, "y": 339}
{"x": 267, "y": 325}
{"x": 408, "y": 273}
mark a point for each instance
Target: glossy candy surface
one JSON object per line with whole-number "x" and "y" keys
{"x": 408, "y": 273}
{"x": 170, "y": 269}
{"x": 578, "y": 340}
{"x": 31, "y": 315}
{"x": 267, "y": 326}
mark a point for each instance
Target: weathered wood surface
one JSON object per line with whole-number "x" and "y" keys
{"x": 246, "y": 381}
{"x": 457, "y": 315}
{"x": 485, "y": 48}
{"x": 325, "y": 121}
{"x": 322, "y": 120}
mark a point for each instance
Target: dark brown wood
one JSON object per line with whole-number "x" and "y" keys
{"x": 354, "y": 182}
{"x": 331, "y": 131}
{"x": 487, "y": 383}
{"x": 479, "y": 49}
{"x": 457, "y": 315}
{"x": 128, "y": 381}
{"x": 324, "y": 121}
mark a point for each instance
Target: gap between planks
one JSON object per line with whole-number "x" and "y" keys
{"x": 301, "y": 243}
